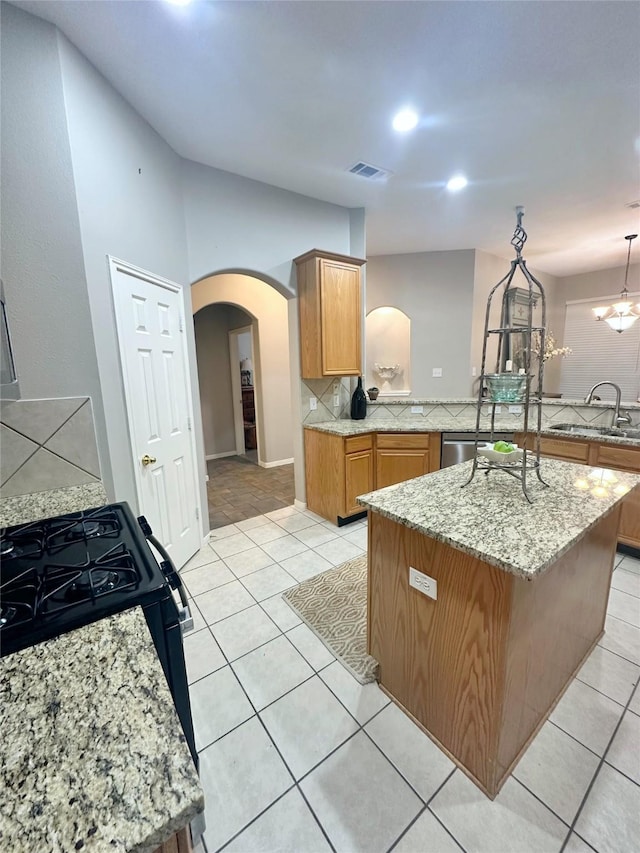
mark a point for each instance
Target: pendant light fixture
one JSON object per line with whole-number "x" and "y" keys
{"x": 623, "y": 314}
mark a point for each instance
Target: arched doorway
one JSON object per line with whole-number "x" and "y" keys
{"x": 224, "y": 303}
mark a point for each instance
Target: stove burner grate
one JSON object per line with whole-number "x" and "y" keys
{"x": 19, "y": 598}
{"x": 92, "y": 582}
{"x": 24, "y": 542}
{"x": 66, "y": 586}
{"x": 99, "y": 523}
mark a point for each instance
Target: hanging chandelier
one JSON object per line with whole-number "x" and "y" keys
{"x": 623, "y": 314}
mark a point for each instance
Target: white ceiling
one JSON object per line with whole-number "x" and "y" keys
{"x": 538, "y": 103}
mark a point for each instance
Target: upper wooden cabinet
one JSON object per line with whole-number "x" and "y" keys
{"x": 330, "y": 311}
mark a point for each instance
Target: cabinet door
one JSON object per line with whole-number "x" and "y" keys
{"x": 358, "y": 474}
{"x": 340, "y": 318}
{"x": 556, "y": 448}
{"x": 626, "y": 459}
{"x": 629, "y": 530}
{"x": 394, "y": 466}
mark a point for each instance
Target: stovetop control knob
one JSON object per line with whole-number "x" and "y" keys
{"x": 145, "y": 526}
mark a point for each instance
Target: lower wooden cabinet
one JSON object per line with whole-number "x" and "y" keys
{"x": 624, "y": 459}
{"x": 339, "y": 469}
{"x": 178, "y": 843}
{"x": 402, "y": 456}
{"x": 358, "y": 471}
{"x": 604, "y": 455}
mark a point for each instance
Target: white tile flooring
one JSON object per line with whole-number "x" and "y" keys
{"x": 296, "y": 756}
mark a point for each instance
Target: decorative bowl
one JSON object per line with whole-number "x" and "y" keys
{"x": 488, "y": 452}
{"x": 506, "y": 387}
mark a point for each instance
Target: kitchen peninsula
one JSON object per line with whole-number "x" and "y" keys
{"x": 93, "y": 756}
{"x": 519, "y": 600}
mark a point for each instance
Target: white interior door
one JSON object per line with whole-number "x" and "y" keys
{"x": 154, "y": 362}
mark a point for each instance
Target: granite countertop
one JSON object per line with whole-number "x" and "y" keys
{"x": 92, "y": 755}
{"x": 440, "y": 423}
{"x": 434, "y": 423}
{"x": 491, "y": 519}
{"x": 21, "y": 509}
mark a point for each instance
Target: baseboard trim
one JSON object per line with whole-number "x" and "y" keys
{"x": 275, "y": 464}
{"x": 301, "y": 505}
{"x": 211, "y": 456}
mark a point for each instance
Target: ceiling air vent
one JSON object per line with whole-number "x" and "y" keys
{"x": 371, "y": 173}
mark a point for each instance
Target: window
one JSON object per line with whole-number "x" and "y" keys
{"x": 599, "y": 353}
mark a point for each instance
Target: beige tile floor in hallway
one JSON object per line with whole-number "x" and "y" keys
{"x": 239, "y": 489}
{"x": 296, "y": 756}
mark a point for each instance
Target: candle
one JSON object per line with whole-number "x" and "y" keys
{"x": 509, "y": 366}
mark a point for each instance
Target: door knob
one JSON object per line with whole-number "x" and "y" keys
{"x": 148, "y": 460}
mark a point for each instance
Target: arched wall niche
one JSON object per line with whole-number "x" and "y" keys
{"x": 388, "y": 351}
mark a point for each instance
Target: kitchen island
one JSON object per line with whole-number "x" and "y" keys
{"x": 92, "y": 754}
{"x": 520, "y": 600}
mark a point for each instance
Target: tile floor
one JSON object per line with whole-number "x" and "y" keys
{"x": 239, "y": 489}
{"x": 296, "y": 756}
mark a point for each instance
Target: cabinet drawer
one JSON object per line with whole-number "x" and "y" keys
{"x": 403, "y": 441}
{"x": 356, "y": 443}
{"x": 614, "y": 456}
{"x": 573, "y": 451}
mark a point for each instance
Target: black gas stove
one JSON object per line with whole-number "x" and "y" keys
{"x": 62, "y": 573}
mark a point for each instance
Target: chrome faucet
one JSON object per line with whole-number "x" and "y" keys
{"x": 618, "y": 419}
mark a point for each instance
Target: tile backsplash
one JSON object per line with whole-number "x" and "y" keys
{"x": 451, "y": 410}
{"x": 323, "y": 391}
{"x": 46, "y": 444}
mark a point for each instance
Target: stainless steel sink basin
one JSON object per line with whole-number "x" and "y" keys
{"x": 589, "y": 431}
{"x": 629, "y": 432}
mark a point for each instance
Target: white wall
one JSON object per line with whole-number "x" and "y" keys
{"x": 85, "y": 176}
{"x": 129, "y": 200}
{"x": 238, "y": 225}
{"x": 41, "y": 252}
{"x": 601, "y": 283}
{"x": 435, "y": 290}
{"x": 212, "y": 325}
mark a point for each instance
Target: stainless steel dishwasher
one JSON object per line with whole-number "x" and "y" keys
{"x": 460, "y": 446}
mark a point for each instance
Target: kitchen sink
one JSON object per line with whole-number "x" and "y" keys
{"x": 582, "y": 429}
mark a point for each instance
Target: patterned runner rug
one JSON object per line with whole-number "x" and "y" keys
{"x": 334, "y": 605}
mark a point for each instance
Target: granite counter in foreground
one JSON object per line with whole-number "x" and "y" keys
{"x": 21, "y": 509}
{"x": 92, "y": 755}
{"x": 491, "y": 519}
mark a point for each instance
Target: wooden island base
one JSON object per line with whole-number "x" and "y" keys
{"x": 481, "y": 668}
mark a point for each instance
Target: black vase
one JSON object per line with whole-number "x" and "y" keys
{"x": 359, "y": 402}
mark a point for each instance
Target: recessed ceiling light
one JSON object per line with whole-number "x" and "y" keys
{"x": 405, "y": 120}
{"x": 458, "y": 182}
